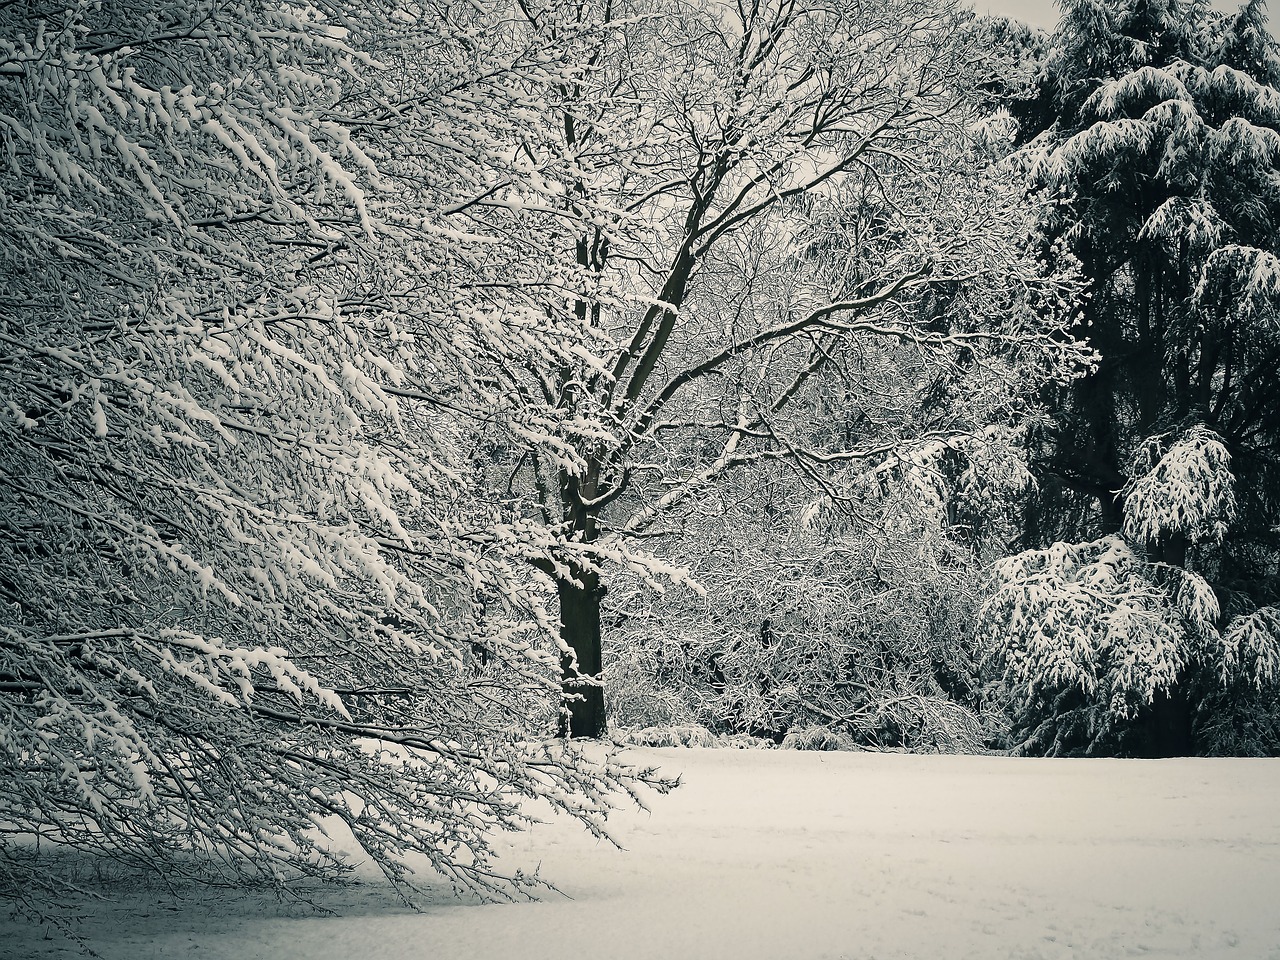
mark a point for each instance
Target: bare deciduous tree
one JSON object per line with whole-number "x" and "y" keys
{"x": 685, "y": 174}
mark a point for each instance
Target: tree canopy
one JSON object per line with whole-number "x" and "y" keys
{"x": 250, "y": 588}
{"x": 750, "y": 202}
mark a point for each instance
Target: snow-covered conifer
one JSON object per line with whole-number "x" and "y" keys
{"x": 1160, "y": 149}
{"x": 1091, "y": 637}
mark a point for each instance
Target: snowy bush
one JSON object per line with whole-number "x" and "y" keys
{"x": 877, "y": 684}
{"x": 687, "y": 735}
{"x": 817, "y": 737}
{"x": 671, "y": 735}
{"x": 823, "y": 621}
{"x": 1097, "y": 622}
{"x": 636, "y": 695}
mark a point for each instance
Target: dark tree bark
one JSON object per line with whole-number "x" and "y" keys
{"x": 1168, "y": 725}
{"x": 583, "y": 715}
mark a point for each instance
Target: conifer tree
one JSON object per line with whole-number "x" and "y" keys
{"x": 1162, "y": 154}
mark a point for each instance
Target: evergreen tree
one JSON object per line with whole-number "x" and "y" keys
{"x": 1163, "y": 156}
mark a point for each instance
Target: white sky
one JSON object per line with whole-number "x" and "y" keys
{"x": 1044, "y": 13}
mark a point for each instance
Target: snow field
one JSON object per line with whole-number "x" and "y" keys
{"x": 786, "y": 855}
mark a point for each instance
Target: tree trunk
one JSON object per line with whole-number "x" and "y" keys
{"x": 581, "y": 683}
{"x": 1168, "y": 726}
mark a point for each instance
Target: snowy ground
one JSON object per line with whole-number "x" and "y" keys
{"x": 781, "y": 855}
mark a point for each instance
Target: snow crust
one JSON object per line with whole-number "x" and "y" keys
{"x": 786, "y": 855}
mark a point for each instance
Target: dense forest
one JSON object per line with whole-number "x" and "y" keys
{"x": 398, "y": 397}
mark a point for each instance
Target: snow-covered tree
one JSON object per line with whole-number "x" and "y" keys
{"x": 1093, "y": 637}
{"x": 896, "y": 478}
{"x": 848, "y": 621}
{"x": 249, "y": 588}
{"x": 1155, "y": 128}
{"x": 687, "y": 169}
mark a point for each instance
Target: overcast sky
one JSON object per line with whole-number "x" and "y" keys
{"x": 1044, "y": 13}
